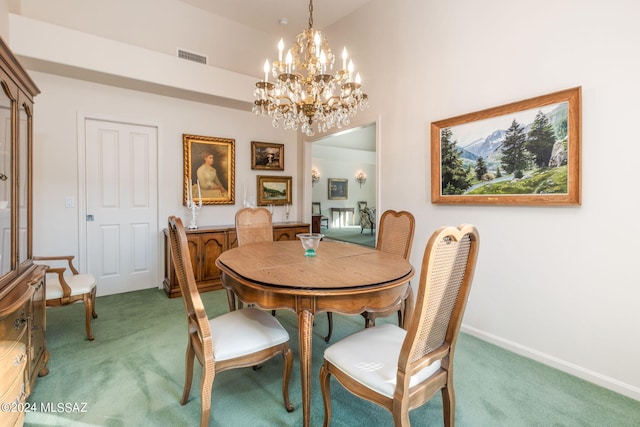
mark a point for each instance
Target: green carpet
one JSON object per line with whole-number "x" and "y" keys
{"x": 133, "y": 374}
{"x": 351, "y": 235}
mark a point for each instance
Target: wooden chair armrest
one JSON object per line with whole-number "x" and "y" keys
{"x": 66, "y": 289}
{"x": 68, "y": 258}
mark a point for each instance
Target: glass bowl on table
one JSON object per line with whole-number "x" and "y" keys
{"x": 310, "y": 242}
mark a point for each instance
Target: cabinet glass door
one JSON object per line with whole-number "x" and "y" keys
{"x": 24, "y": 126}
{"x": 6, "y": 185}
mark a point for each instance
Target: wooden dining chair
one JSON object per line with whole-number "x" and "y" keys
{"x": 316, "y": 209}
{"x": 408, "y": 367}
{"x": 66, "y": 285}
{"x": 240, "y": 338}
{"x": 395, "y": 236}
{"x": 253, "y": 225}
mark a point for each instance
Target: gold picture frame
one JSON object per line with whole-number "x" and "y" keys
{"x": 209, "y": 162}
{"x": 267, "y": 156}
{"x": 524, "y": 153}
{"x": 273, "y": 190}
{"x": 338, "y": 189}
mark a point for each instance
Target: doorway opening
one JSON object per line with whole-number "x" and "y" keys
{"x": 349, "y": 203}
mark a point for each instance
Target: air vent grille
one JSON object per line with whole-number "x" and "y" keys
{"x": 192, "y": 56}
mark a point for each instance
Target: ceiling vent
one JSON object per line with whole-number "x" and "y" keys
{"x": 192, "y": 56}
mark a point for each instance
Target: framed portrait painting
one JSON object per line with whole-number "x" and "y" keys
{"x": 338, "y": 189}
{"x": 209, "y": 170}
{"x": 274, "y": 190}
{"x": 267, "y": 156}
{"x": 523, "y": 153}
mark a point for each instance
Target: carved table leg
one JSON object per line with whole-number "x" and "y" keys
{"x": 305, "y": 329}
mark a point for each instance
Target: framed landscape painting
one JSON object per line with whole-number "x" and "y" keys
{"x": 274, "y": 190}
{"x": 267, "y": 156}
{"x": 209, "y": 170}
{"x": 524, "y": 153}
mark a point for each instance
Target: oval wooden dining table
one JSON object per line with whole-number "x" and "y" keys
{"x": 342, "y": 278}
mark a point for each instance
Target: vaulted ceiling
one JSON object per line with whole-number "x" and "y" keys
{"x": 265, "y": 15}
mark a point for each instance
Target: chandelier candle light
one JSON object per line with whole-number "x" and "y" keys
{"x": 305, "y": 91}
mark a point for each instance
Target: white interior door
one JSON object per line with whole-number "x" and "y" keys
{"x": 121, "y": 205}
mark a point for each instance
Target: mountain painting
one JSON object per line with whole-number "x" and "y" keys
{"x": 521, "y": 153}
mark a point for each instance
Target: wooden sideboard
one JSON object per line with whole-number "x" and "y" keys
{"x": 206, "y": 244}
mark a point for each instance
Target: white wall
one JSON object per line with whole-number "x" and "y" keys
{"x": 555, "y": 283}
{"x": 56, "y": 146}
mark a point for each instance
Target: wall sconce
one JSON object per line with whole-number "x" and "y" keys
{"x": 361, "y": 178}
{"x": 315, "y": 176}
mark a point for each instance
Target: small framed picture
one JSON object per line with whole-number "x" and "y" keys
{"x": 267, "y": 156}
{"x": 338, "y": 189}
{"x": 209, "y": 170}
{"x": 274, "y": 190}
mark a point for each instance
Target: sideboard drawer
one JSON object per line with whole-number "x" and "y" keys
{"x": 15, "y": 396}
{"x": 13, "y": 358}
{"x": 14, "y": 325}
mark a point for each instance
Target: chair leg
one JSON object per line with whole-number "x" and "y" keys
{"x": 448, "y": 405}
{"x": 93, "y": 303}
{"x": 286, "y": 375}
{"x": 188, "y": 378}
{"x": 88, "y": 311}
{"x": 400, "y": 413}
{"x": 206, "y": 385}
{"x": 330, "y": 319}
{"x": 325, "y": 385}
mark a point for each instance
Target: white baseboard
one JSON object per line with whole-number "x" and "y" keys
{"x": 564, "y": 366}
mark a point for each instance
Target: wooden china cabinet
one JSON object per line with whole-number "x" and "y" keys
{"x": 205, "y": 246}
{"x": 23, "y": 354}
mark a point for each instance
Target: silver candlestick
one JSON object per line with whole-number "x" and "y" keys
{"x": 194, "y": 207}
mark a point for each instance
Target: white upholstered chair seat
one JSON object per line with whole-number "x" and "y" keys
{"x": 370, "y": 357}
{"x": 245, "y": 331}
{"x": 79, "y": 284}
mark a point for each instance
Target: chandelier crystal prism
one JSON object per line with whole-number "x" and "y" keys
{"x": 306, "y": 91}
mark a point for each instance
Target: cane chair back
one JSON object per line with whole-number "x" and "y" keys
{"x": 423, "y": 354}
{"x": 240, "y": 338}
{"x": 395, "y": 236}
{"x": 253, "y": 225}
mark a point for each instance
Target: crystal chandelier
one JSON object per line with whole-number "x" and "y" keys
{"x": 306, "y": 91}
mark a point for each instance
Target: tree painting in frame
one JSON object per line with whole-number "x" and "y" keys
{"x": 274, "y": 190}
{"x": 524, "y": 153}
{"x": 267, "y": 156}
{"x": 338, "y": 189}
{"x": 209, "y": 162}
